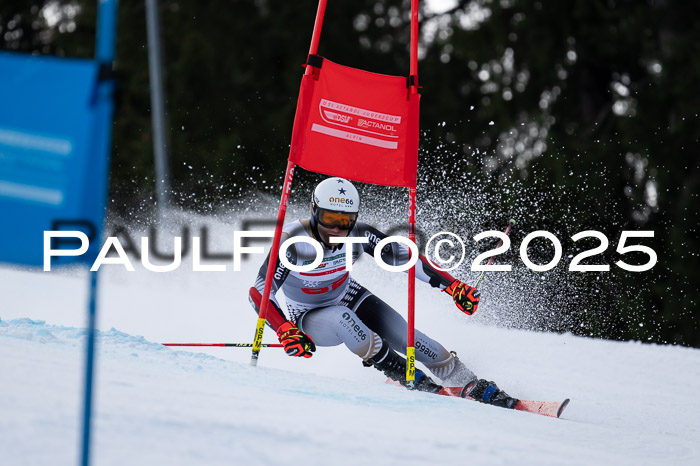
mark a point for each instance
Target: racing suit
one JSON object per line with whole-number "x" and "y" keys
{"x": 332, "y": 308}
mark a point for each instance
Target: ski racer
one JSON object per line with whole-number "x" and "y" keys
{"x": 328, "y": 307}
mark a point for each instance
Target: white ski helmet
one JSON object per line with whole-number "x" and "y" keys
{"x": 335, "y": 202}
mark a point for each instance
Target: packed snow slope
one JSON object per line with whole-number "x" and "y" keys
{"x": 631, "y": 403}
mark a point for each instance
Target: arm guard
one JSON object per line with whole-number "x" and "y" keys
{"x": 275, "y": 314}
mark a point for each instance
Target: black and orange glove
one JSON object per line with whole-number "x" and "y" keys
{"x": 466, "y": 298}
{"x": 296, "y": 343}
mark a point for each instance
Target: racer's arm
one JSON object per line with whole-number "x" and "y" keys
{"x": 296, "y": 343}
{"x": 275, "y": 314}
{"x": 465, "y": 297}
{"x": 397, "y": 254}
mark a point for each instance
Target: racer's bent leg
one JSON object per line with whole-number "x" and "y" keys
{"x": 333, "y": 325}
{"x": 384, "y": 320}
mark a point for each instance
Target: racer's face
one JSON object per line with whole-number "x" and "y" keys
{"x": 326, "y": 233}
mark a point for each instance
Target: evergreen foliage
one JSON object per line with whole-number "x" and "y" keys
{"x": 591, "y": 104}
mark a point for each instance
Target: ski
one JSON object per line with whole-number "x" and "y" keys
{"x": 543, "y": 408}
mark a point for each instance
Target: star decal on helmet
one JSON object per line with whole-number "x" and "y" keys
{"x": 339, "y": 180}
{"x": 341, "y": 191}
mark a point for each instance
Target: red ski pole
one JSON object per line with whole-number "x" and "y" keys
{"x": 227, "y": 345}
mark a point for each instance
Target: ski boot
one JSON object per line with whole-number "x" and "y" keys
{"x": 423, "y": 383}
{"x": 488, "y": 392}
{"x": 394, "y": 367}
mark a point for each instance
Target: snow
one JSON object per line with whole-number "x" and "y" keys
{"x": 631, "y": 403}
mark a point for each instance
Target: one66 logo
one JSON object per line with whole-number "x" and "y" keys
{"x": 574, "y": 266}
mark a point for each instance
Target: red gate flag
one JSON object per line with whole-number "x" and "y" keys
{"x": 357, "y": 125}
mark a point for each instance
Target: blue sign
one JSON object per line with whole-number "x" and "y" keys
{"x": 55, "y": 128}
{"x": 55, "y": 138}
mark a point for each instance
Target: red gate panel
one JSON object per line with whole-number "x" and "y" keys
{"x": 357, "y": 125}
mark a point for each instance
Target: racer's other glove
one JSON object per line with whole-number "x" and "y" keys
{"x": 466, "y": 298}
{"x": 296, "y": 343}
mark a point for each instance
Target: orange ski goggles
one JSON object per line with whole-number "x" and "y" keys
{"x": 332, "y": 219}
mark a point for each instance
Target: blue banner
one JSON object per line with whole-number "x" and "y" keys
{"x": 55, "y": 131}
